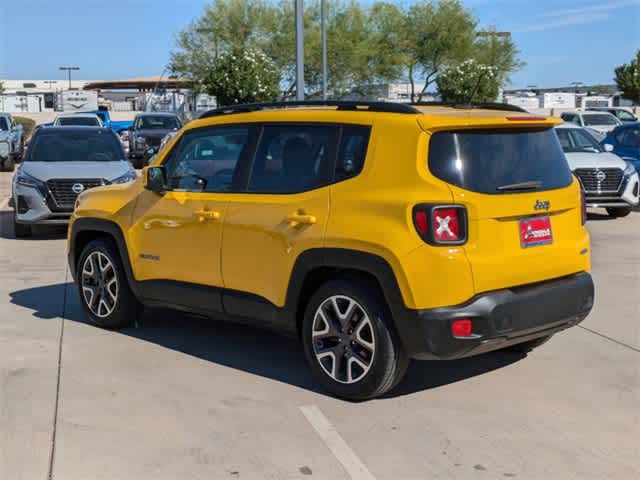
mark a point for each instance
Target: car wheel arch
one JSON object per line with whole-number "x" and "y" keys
{"x": 317, "y": 266}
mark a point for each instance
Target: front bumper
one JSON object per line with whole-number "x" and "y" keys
{"x": 31, "y": 207}
{"x": 500, "y": 319}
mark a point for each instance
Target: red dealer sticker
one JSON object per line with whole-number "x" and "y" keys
{"x": 535, "y": 231}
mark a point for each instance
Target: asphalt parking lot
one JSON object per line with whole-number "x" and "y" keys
{"x": 179, "y": 397}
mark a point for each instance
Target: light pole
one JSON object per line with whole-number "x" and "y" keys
{"x": 323, "y": 33}
{"x": 299, "y": 50}
{"x": 68, "y": 69}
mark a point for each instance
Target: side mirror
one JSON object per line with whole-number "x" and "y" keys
{"x": 154, "y": 179}
{"x": 608, "y": 147}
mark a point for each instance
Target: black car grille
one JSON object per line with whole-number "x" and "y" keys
{"x": 63, "y": 193}
{"x": 611, "y": 182}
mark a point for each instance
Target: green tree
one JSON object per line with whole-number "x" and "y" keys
{"x": 628, "y": 79}
{"x": 242, "y": 76}
{"x": 425, "y": 38}
{"x": 225, "y": 26}
{"x": 468, "y": 82}
{"x": 499, "y": 52}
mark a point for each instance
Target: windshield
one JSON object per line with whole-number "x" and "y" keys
{"x": 157, "y": 123}
{"x": 575, "y": 140}
{"x": 57, "y": 145}
{"x": 599, "y": 119}
{"x": 78, "y": 121}
{"x": 486, "y": 161}
{"x": 4, "y": 125}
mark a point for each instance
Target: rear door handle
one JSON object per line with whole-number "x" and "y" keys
{"x": 299, "y": 218}
{"x": 204, "y": 215}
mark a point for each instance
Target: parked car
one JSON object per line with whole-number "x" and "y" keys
{"x": 118, "y": 126}
{"x": 11, "y": 142}
{"x": 620, "y": 113}
{"x": 376, "y": 232}
{"x": 624, "y": 141}
{"x": 607, "y": 180}
{"x": 598, "y": 123}
{"x": 61, "y": 163}
{"x": 147, "y": 132}
{"x": 77, "y": 120}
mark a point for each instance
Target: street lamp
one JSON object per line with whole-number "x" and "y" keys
{"x": 68, "y": 69}
{"x": 299, "y": 49}
{"x": 323, "y": 34}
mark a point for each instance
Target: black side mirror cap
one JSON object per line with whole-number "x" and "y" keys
{"x": 154, "y": 179}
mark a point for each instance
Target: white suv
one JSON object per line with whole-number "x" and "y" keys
{"x": 598, "y": 123}
{"x": 607, "y": 180}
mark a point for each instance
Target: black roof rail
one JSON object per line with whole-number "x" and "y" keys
{"x": 349, "y": 105}
{"x": 485, "y": 106}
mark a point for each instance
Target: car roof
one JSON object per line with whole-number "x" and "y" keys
{"x": 156, "y": 114}
{"x": 569, "y": 125}
{"x": 52, "y": 129}
{"x": 78, "y": 114}
{"x": 594, "y": 112}
{"x": 429, "y": 116}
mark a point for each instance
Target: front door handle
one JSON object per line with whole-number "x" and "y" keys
{"x": 301, "y": 218}
{"x": 204, "y": 215}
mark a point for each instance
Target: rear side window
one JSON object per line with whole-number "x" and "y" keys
{"x": 352, "y": 151}
{"x": 485, "y": 160}
{"x": 293, "y": 158}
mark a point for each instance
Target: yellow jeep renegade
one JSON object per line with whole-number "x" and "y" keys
{"x": 376, "y": 232}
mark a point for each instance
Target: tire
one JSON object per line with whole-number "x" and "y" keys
{"x": 526, "y": 347}
{"x": 116, "y": 306}
{"x": 21, "y": 230}
{"x": 618, "y": 212}
{"x": 368, "y": 371}
{"x": 9, "y": 164}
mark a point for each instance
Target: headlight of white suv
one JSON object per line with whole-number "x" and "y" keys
{"x": 130, "y": 176}
{"x": 4, "y": 149}
{"x": 27, "y": 180}
{"x": 629, "y": 170}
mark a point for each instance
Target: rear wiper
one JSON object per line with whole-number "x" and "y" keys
{"x": 532, "y": 185}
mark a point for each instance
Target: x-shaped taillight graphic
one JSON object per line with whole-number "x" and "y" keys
{"x": 443, "y": 225}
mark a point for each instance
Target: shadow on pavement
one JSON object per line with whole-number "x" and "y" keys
{"x": 40, "y": 232}
{"x": 248, "y": 348}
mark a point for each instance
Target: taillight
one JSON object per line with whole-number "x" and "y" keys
{"x": 441, "y": 224}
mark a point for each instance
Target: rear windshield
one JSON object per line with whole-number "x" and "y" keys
{"x": 496, "y": 161}
{"x": 75, "y": 146}
{"x": 78, "y": 121}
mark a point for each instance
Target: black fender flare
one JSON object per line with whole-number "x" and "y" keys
{"x": 342, "y": 259}
{"x": 105, "y": 227}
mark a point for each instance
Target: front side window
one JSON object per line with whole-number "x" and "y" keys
{"x": 206, "y": 159}
{"x": 626, "y": 116}
{"x": 3, "y": 124}
{"x": 293, "y": 158}
{"x": 576, "y": 140}
{"x": 631, "y": 137}
{"x": 57, "y": 145}
{"x": 157, "y": 122}
{"x": 599, "y": 119}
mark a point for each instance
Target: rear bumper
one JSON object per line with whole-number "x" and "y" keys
{"x": 500, "y": 319}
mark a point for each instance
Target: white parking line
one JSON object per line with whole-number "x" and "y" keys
{"x": 334, "y": 442}
{"x": 4, "y": 204}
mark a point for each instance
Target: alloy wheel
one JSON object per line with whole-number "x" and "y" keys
{"x": 99, "y": 284}
{"x": 343, "y": 339}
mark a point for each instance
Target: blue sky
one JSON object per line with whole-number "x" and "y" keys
{"x": 562, "y": 41}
